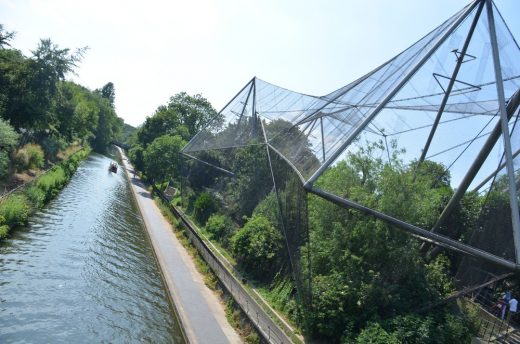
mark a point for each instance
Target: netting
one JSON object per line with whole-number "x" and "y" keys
{"x": 425, "y": 125}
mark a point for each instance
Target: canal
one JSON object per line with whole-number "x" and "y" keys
{"x": 83, "y": 270}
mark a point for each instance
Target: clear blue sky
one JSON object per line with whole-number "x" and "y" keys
{"x": 153, "y": 49}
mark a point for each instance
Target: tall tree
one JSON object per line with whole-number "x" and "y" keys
{"x": 5, "y": 37}
{"x": 184, "y": 115}
{"x": 8, "y": 140}
{"x": 108, "y": 92}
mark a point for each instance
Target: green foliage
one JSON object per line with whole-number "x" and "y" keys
{"x": 5, "y": 37}
{"x": 252, "y": 183}
{"x": 4, "y": 165}
{"x": 35, "y": 156}
{"x": 4, "y": 231}
{"x": 15, "y": 210}
{"x": 8, "y": 140}
{"x": 136, "y": 155}
{"x": 162, "y": 157}
{"x": 30, "y": 156}
{"x": 204, "y": 206}
{"x": 364, "y": 270}
{"x": 4, "y": 228}
{"x": 257, "y": 247}
{"x": 36, "y": 195}
{"x": 220, "y": 227}
{"x": 184, "y": 115}
{"x": 36, "y": 99}
{"x": 375, "y": 334}
{"x": 52, "y": 182}
{"x": 8, "y": 136}
{"x": 109, "y": 93}
{"x": 108, "y": 126}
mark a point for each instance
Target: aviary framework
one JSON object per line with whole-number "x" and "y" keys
{"x": 451, "y": 98}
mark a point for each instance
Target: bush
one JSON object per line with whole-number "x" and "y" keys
{"x": 36, "y": 196}
{"x": 204, "y": 206}
{"x": 15, "y": 210}
{"x": 375, "y": 334}
{"x": 52, "y": 182}
{"x": 4, "y": 165}
{"x": 28, "y": 157}
{"x": 51, "y": 146}
{"x": 4, "y": 230}
{"x": 219, "y": 227}
{"x": 35, "y": 156}
{"x": 257, "y": 247}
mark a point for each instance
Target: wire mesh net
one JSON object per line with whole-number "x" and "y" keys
{"x": 423, "y": 126}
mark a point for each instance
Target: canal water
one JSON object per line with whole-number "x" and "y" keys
{"x": 83, "y": 270}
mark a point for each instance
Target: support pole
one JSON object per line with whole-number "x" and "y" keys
{"x": 244, "y": 108}
{"x": 389, "y": 97}
{"x": 479, "y": 160}
{"x": 254, "y": 118}
{"x": 447, "y": 94}
{"x": 504, "y": 120}
{"x": 322, "y": 139}
{"x": 501, "y": 166}
{"x": 423, "y": 234}
{"x": 219, "y": 113}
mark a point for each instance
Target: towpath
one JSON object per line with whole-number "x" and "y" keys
{"x": 200, "y": 311}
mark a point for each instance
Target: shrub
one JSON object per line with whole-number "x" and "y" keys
{"x": 204, "y": 206}
{"x": 36, "y": 196}
{"x": 35, "y": 156}
{"x": 219, "y": 227}
{"x": 15, "y": 210}
{"x": 257, "y": 246}
{"x": 4, "y": 165}
{"x": 51, "y": 146}
{"x": 51, "y": 182}
{"x": 29, "y": 156}
{"x": 20, "y": 160}
{"x": 375, "y": 334}
{"x": 4, "y": 230}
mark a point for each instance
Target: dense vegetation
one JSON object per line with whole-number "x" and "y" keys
{"x": 45, "y": 119}
{"x": 16, "y": 207}
{"x": 368, "y": 279}
{"x": 41, "y": 114}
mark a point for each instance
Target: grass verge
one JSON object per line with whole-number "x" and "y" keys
{"x": 16, "y": 208}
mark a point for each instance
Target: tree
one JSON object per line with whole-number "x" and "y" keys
{"x": 364, "y": 270}
{"x": 162, "y": 158}
{"x": 32, "y": 83}
{"x": 109, "y": 125}
{"x": 108, "y": 92}
{"x": 5, "y": 37}
{"x": 8, "y": 140}
{"x": 184, "y": 115}
{"x": 257, "y": 246}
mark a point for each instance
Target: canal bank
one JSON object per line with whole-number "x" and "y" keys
{"x": 200, "y": 311}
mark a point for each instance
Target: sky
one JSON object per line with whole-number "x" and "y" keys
{"x": 153, "y": 49}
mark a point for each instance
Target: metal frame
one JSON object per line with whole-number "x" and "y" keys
{"x": 421, "y": 233}
{"x": 447, "y": 93}
{"x": 506, "y": 111}
{"x": 504, "y": 120}
{"x": 477, "y": 163}
{"x": 389, "y": 97}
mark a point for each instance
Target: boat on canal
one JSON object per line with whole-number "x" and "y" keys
{"x": 113, "y": 167}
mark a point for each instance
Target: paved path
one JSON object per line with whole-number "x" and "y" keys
{"x": 201, "y": 313}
